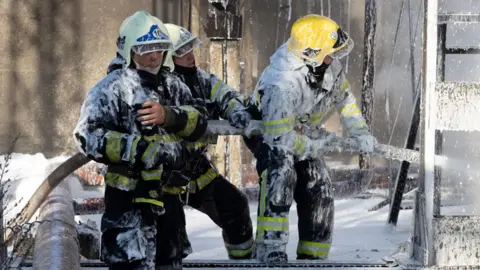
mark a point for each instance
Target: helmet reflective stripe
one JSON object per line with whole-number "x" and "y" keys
{"x": 142, "y": 33}
{"x": 183, "y": 41}
{"x": 313, "y": 37}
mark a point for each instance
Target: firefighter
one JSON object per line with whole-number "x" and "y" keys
{"x": 303, "y": 81}
{"x": 110, "y": 131}
{"x": 209, "y": 191}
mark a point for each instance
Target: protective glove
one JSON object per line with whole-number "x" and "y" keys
{"x": 366, "y": 142}
{"x": 239, "y": 117}
{"x": 324, "y": 143}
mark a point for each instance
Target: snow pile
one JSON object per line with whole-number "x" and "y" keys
{"x": 24, "y": 175}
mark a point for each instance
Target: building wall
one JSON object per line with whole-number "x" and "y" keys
{"x": 53, "y": 51}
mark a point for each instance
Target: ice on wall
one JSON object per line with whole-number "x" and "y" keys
{"x": 457, "y": 106}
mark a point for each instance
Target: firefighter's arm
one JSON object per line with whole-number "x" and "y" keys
{"x": 99, "y": 135}
{"x": 225, "y": 98}
{"x": 279, "y": 120}
{"x": 189, "y": 119}
{"x": 351, "y": 116}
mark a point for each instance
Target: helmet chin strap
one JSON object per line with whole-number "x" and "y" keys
{"x": 316, "y": 74}
{"x": 154, "y": 71}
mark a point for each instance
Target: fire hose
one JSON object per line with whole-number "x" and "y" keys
{"x": 215, "y": 127}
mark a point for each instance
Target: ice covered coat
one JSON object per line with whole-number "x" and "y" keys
{"x": 108, "y": 131}
{"x": 289, "y": 106}
{"x": 220, "y": 99}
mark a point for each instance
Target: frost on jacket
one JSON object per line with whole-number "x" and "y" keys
{"x": 220, "y": 98}
{"x": 289, "y": 106}
{"x": 108, "y": 114}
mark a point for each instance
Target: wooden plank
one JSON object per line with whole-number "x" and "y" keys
{"x": 216, "y": 67}
{"x": 234, "y": 158}
{"x": 186, "y": 15}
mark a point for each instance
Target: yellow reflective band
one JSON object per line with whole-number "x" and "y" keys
{"x": 344, "y": 85}
{"x": 162, "y": 138}
{"x": 280, "y": 121}
{"x": 315, "y": 118}
{"x": 195, "y": 145}
{"x": 348, "y": 108}
{"x": 262, "y": 202}
{"x": 360, "y": 124}
{"x": 192, "y": 186}
{"x": 174, "y": 190}
{"x": 202, "y": 142}
{"x": 240, "y": 250}
{"x": 120, "y": 182}
{"x": 150, "y": 201}
{"x": 352, "y": 113}
{"x": 206, "y": 178}
{"x": 152, "y": 175}
{"x": 313, "y": 248}
{"x": 192, "y": 119}
{"x": 279, "y": 126}
{"x": 232, "y": 105}
{"x": 272, "y": 223}
{"x": 214, "y": 89}
{"x": 299, "y": 145}
{"x": 149, "y": 152}
{"x": 134, "y": 148}
{"x": 113, "y": 147}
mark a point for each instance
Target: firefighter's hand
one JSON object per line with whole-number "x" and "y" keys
{"x": 152, "y": 113}
{"x": 239, "y": 118}
{"x": 366, "y": 143}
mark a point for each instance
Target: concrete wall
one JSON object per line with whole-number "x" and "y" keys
{"x": 53, "y": 51}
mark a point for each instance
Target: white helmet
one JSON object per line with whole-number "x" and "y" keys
{"x": 183, "y": 41}
{"x": 142, "y": 33}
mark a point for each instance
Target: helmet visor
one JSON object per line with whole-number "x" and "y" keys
{"x": 344, "y": 51}
{"x": 154, "y": 47}
{"x": 187, "y": 47}
{"x": 343, "y": 46}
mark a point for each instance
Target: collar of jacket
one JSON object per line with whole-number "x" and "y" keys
{"x": 148, "y": 79}
{"x": 186, "y": 71}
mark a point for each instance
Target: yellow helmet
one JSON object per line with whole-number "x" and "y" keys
{"x": 313, "y": 37}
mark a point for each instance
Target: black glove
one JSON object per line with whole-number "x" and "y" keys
{"x": 239, "y": 117}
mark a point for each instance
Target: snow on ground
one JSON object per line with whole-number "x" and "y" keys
{"x": 26, "y": 173}
{"x": 359, "y": 235}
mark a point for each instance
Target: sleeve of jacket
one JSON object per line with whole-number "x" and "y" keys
{"x": 97, "y": 131}
{"x": 223, "y": 96}
{"x": 189, "y": 118}
{"x": 100, "y": 135}
{"x": 346, "y": 106}
{"x": 279, "y": 120}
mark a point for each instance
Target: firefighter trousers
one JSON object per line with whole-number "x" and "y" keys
{"x": 226, "y": 205}
{"x": 135, "y": 238}
{"x": 282, "y": 180}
